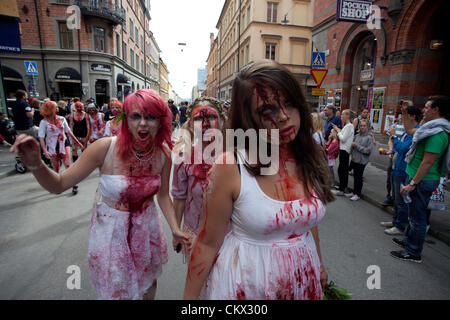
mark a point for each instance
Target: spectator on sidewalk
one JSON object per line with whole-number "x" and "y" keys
{"x": 361, "y": 150}
{"x": 424, "y": 161}
{"x": 345, "y": 137}
{"x": 332, "y": 148}
{"x": 23, "y": 115}
{"x": 317, "y": 122}
{"x": 332, "y": 119}
{"x": 400, "y": 146}
{"x": 399, "y": 130}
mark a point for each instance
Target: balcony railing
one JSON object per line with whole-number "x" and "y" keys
{"x": 102, "y": 9}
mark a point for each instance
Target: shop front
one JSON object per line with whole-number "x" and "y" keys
{"x": 68, "y": 83}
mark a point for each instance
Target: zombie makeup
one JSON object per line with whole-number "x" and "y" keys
{"x": 273, "y": 111}
{"x": 207, "y": 116}
{"x": 143, "y": 127}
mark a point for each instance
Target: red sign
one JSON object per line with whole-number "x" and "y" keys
{"x": 319, "y": 75}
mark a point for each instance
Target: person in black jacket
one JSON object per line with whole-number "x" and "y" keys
{"x": 23, "y": 115}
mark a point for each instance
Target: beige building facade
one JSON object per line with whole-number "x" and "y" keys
{"x": 251, "y": 30}
{"x": 211, "y": 68}
{"x": 164, "y": 89}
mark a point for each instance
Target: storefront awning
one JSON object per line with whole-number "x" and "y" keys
{"x": 68, "y": 75}
{"x": 10, "y": 74}
{"x": 122, "y": 80}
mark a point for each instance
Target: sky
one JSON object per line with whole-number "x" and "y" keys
{"x": 184, "y": 21}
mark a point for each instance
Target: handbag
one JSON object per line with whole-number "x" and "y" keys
{"x": 437, "y": 198}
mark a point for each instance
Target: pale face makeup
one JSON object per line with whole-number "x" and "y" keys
{"x": 143, "y": 127}
{"x": 272, "y": 110}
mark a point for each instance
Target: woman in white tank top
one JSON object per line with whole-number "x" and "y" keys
{"x": 272, "y": 251}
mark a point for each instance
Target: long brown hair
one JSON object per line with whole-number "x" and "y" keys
{"x": 308, "y": 154}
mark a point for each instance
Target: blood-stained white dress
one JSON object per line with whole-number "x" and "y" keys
{"x": 270, "y": 252}
{"x": 126, "y": 248}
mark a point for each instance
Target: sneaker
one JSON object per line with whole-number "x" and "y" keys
{"x": 387, "y": 202}
{"x": 399, "y": 242}
{"x": 393, "y": 231}
{"x": 355, "y": 198}
{"x": 387, "y": 224}
{"x": 403, "y": 255}
{"x": 338, "y": 193}
{"x": 349, "y": 195}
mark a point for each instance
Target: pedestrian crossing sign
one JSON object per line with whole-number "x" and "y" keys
{"x": 31, "y": 67}
{"x": 318, "y": 60}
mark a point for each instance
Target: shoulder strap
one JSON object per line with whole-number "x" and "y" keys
{"x": 110, "y": 152}
{"x": 237, "y": 161}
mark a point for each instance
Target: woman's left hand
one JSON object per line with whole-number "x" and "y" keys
{"x": 323, "y": 277}
{"x": 354, "y": 144}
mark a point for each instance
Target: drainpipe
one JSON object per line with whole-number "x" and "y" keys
{"x": 40, "y": 44}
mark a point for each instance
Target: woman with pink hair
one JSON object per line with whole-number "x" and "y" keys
{"x": 127, "y": 245}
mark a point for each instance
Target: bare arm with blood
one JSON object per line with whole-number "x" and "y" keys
{"x": 323, "y": 273}
{"x": 222, "y": 191}
{"x": 28, "y": 150}
{"x": 166, "y": 204}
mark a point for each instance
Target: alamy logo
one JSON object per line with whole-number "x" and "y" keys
{"x": 74, "y": 19}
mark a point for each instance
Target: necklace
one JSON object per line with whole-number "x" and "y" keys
{"x": 142, "y": 155}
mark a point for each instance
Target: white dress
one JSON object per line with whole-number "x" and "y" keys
{"x": 127, "y": 249}
{"x": 270, "y": 252}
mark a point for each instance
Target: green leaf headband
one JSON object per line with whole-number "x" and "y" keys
{"x": 216, "y": 103}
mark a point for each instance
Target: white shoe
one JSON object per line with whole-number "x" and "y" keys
{"x": 393, "y": 231}
{"x": 355, "y": 198}
{"x": 349, "y": 195}
{"x": 387, "y": 224}
{"x": 338, "y": 193}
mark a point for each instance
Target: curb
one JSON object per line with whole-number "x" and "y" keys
{"x": 436, "y": 234}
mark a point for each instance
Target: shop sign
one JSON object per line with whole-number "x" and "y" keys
{"x": 353, "y": 10}
{"x": 100, "y": 67}
{"x": 366, "y": 75}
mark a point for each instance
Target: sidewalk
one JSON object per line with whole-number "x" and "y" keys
{"x": 374, "y": 192}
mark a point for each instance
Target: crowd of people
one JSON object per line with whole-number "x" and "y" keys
{"x": 418, "y": 162}
{"x": 245, "y": 235}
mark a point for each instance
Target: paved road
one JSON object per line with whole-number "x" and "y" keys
{"x": 41, "y": 235}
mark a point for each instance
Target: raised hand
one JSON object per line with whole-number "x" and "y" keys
{"x": 28, "y": 150}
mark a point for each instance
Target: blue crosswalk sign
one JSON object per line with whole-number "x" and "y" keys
{"x": 31, "y": 67}
{"x": 318, "y": 60}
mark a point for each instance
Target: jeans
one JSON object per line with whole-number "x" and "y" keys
{"x": 358, "y": 171}
{"x": 400, "y": 219}
{"x": 389, "y": 195}
{"x": 417, "y": 229}
{"x": 343, "y": 169}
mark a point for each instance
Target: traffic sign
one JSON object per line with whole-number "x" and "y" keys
{"x": 318, "y": 60}
{"x": 31, "y": 67}
{"x": 318, "y": 92}
{"x": 319, "y": 75}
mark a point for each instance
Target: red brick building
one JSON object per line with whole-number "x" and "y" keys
{"x": 406, "y": 58}
{"x": 111, "y": 53}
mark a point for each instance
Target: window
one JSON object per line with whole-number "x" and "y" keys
{"x": 137, "y": 62}
{"x": 272, "y": 11}
{"x": 247, "y": 50}
{"x": 131, "y": 30}
{"x": 136, "y": 34}
{"x": 118, "y": 45}
{"x": 248, "y": 15}
{"x": 142, "y": 42}
{"x": 65, "y": 36}
{"x": 132, "y": 58}
{"x": 142, "y": 66}
{"x": 99, "y": 39}
{"x": 124, "y": 51}
{"x": 270, "y": 50}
